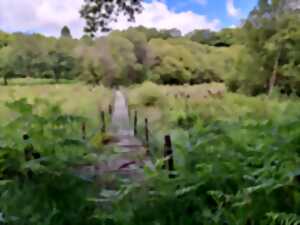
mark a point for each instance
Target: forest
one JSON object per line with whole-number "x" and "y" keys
{"x": 252, "y": 59}
{"x": 150, "y": 126}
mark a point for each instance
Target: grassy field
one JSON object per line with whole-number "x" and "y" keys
{"x": 160, "y": 104}
{"x": 75, "y": 98}
{"x": 163, "y": 105}
{"x": 36, "y": 81}
{"x": 229, "y": 150}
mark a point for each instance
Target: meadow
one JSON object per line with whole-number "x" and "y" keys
{"x": 216, "y": 138}
{"x": 162, "y": 104}
{"x": 73, "y": 97}
{"x": 231, "y": 153}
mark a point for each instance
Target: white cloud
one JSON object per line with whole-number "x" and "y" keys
{"x": 48, "y": 17}
{"x": 232, "y": 10}
{"x": 157, "y": 14}
{"x": 43, "y": 16}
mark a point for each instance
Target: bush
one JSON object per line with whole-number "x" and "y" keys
{"x": 148, "y": 94}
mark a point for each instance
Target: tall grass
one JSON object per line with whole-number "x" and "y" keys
{"x": 208, "y": 102}
{"x": 77, "y": 98}
{"x": 36, "y": 81}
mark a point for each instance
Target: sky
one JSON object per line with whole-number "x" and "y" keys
{"x": 49, "y": 16}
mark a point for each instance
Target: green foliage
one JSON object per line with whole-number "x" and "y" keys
{"x": 99, "y": 14}
{"x": 121, "y": 58}
{"x": 7, "y": 60}
{"x": 39, "y": 146}
{"x": 271, "y": 34}
{"x": 65, "y": 32}
{"x": 148, "y": 94}
{"x": 5, "y": 39}
{"x": 261, "y": 56}
{"x": 224, "y": 38}
{"x": 233, "y": 172}
{"x": 238, "y": 164}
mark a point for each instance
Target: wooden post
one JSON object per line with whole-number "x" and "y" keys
{"x": 83, "y": 130}
{"x": 168, "y": 153}
{"x": 129, "y": 116}
{"x": 187, "y": 102}
{"x": 103, "y": 127}
{"x": 135, "y": 123}
{"x": 147, "y": 135}
{"x": 110, "y": 110}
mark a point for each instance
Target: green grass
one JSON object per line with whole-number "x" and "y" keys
{"x": 208, "y": 101}
{"x": 36, "y": 81}
{"x": 236, "y": 159}
{"x": 76, "y": 98}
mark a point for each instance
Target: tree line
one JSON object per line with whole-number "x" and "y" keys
{"x": 258, "y": 57}
{"x": 120, "y": 58}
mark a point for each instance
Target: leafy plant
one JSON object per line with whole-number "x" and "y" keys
{"x": 39, "y": 149}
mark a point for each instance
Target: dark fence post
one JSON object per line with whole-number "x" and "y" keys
{"x": 103, "y": 125}
{"x": 110, "y": 109}
{"x": 147, "y": 135}
{"x": 168, "y": 153}
{"x": 135, "y": 123}
{"x": 187, "y": 102}
{"x": 129, "y": 115}
{"x": 83, "y": 130}
{"x": 29, "y": 154}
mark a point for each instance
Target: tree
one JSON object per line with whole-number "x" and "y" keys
{"x": 99, "y": 14}
{"x": 203, "y": 36}
{"x": 91, "y": 70}
{"x": 152, "y": 33}
{"x": 224, "y": 38}
{"x": 7, "y": 66}
{"x": 270, "y": 34}
{"x": 174, "y": 63}
{"x": 5, "y": 39}
{"x": 65, "y": 32}
{"x": 123, "y": 53}
{"x": 31, "y": 52}
{"x": 97, "y": 63}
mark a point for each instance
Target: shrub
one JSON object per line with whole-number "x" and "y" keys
{"x": 148, "y": 94}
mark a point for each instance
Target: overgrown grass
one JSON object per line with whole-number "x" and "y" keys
{"x": 36, "y": 81}
{"x": 76, "y": 98}
{"x": 236, "y": 160}
{"x": 207, "y": 103}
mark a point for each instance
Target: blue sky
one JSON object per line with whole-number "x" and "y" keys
{"x": 49, "y": 16}
{"x": 214, "y": 9}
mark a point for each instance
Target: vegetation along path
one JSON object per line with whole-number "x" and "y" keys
{"x": 126, "y": 155}
{"x": 132, "y": 152}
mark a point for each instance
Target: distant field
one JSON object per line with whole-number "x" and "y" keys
{"x": 35, "y": 81}
{"x": 159, "y": 103}
{"x": 75, "y": 98}
{"x": 163, "y": 104}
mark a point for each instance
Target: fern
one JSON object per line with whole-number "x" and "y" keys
{"x": 284, "y": 218}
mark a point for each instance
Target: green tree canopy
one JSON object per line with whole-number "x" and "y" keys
{"x": 66, "y": 32}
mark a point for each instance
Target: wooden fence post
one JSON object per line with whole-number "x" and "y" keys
{"x": 187, "y": 102}
{"x": 168, "y": 153}
{"x": 135, "y": 123}
{"x": 83, "y": 130}
{"x": 103, "y": 125}
{"x": 129, "y": 115}
{"x": 147, "y": 135}
{"x": 110, "y": 109}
